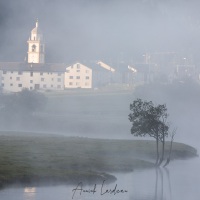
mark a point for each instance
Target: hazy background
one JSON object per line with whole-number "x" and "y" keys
{"x": 111, "y": 30}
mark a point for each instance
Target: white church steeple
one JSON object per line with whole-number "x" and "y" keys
{"x": 36, "y": 48}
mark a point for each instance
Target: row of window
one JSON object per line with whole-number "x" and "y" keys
{"x": 58, "y": 79}
{"x": 78, "y": 70}
{"x": 44, "y": 86}
{"x": 78, "y": 77}
{"x": 19, "y": 85}
{"x": 78, "y": 84}
{"x": 31, "y": 81}
{"x": 31, "y": 73}
{"x": 77, "y": 66}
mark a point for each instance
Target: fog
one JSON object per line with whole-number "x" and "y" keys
{"x": 110, "y": 30}
{"x": 113, "y": 31}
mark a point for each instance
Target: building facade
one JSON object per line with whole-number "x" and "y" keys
{"x": 78, "y": 76}
{"x": 35, "y": 74}
{"x": 18, "y": 76}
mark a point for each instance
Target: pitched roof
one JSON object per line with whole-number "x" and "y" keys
{"x": 92, "y": 65}
{"x": 17, "y": 66}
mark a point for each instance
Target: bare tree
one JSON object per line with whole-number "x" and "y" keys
{"x": 170, "y": 150}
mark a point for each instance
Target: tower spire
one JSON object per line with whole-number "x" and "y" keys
{"x": 37, "y": 23}
{"x": 36, "y": 46}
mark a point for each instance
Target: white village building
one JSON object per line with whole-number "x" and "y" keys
{"x": 35, "y": 74}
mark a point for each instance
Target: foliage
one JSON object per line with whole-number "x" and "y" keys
{"x": 148, "y": 119}
{"x": 24, "y": 102}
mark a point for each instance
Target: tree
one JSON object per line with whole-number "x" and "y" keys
{"x": 150, "y": 119}
{"x": 22, "y": 104}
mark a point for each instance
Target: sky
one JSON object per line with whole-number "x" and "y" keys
{"x": 110, "y": 30}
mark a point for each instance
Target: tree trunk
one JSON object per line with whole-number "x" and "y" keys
{"x": 157, "y": 149}
{"x": 170, "y": 151}
{"x": 163, "y": 151}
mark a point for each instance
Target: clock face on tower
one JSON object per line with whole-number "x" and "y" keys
{"x": 33, "y": 48}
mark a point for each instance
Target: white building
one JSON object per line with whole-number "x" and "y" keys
{"x": 17, "y": 76}
{"x": 78, "y": 76}
{"x": 38, "y": 75}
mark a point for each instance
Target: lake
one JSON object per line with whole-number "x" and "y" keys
{"x": 181, "y": 180}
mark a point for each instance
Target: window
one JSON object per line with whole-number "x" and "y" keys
{"x": 41, "y": 73}
{"x": 70, "y": 83}
{"x": 59, "y": 79}
{"x": 78, "y": 77}
{"x": 31, "y": 73}
{"x": 31, "y": 88}
{"x": 78, "y": 70}
{"x": 17, "y": 78}
{"x": 33, "y": 48}
{"x": 11, "y": 78}
{"x": 78, "y": 66}
{"x": 59, "y": 74}
{"x": 52, "y": 79}
{"x": 77, "y": 83}
{"x": 87, "y": 77}
{"x": 19, "y": 85}
{"x": 2, "y": 84}
{"x": 31, "y": 81}
{"x": 71, "y": 77}
{"x": 59, "y": 86}
{"x": 11, "y": 84}
{"x": 51, "y": 85}
{"x": 20, "y": 73}
{"x": 42, "y": 79}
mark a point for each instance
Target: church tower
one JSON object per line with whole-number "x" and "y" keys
{"x": 36, "y": 46}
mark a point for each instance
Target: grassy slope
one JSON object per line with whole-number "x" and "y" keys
{"x": 36, "y": 157}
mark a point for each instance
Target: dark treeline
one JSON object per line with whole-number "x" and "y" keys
{"x": 18, "y": 109}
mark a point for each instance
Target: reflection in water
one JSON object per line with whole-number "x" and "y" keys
{"x": 163, "y": 184}
{"x": 169, "y": 183}
{"x": 152, "y": 185}
{"x": 29, "y": 193}
{"x": 180, "y": 181}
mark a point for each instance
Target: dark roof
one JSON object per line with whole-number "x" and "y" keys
{"x": 47, "y": 67}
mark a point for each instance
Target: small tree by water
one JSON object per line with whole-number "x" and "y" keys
{"x": 150, "y": 120}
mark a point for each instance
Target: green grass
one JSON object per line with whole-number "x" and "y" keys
{"x": 30, "y": 157}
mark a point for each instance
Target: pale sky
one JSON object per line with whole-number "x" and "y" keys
{"x": 100, "y": 29}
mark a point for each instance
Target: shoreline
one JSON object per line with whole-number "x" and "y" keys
{"x": 51, "y": 159}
